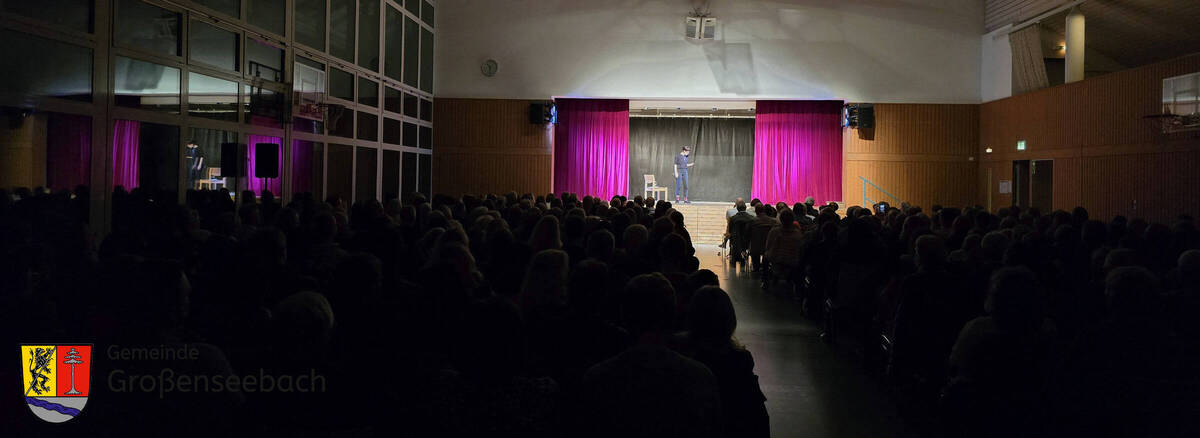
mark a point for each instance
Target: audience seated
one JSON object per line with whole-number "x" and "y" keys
{"x": 558, "y": 315}
{"x": 649, "y": 390}
{"x": 709, "y": 340}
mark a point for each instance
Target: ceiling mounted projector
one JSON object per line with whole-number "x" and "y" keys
{"x": 701, "y": 27}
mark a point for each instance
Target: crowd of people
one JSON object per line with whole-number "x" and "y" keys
{"x": 1013, "y": 323}
{"x": 500, "y": 315}
{"x": 559, "y": 315}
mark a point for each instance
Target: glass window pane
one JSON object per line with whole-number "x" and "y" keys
{"x": 368, "y": 34}
{"x": 264, "y": 61}
{"x": 41, "y": 67}
{"x": 145, "y": 85}
{"x": 341, "y": 29}
{"x": 426, "y": 60}
{"x": 427, "y": 13}
{"x": 73, "y": 15}
{"x": 212, "y": 98}
{"x": 264, "y": 107}
{"x": 147, "y": 27}
{"x": 391, "y": 175}
{"x": 392, "y": 131}
{"x": 413, "y": 6}
{"x": 47, "y": 149}
{"x": 391, "y": 99}
{"x": 368, "y": 92}
{"x": 425, "y": 175}
{"x": 411, "y": 105}
{"x": 408, "y": 177}
{"x": 368, "y": 128}
{"x": 412, "y": 54}
{"x": 267, "y": 14}
{"x": 213, "y": 46}
{"x": 265, "y": 157}
{"x": 232, "y": 8}
{"x": 308, "y": 84}
{"x": 341, "y": 84}
{"x": 426, "y": 137}
{"x": 300, "y": 124}
{"x": 310, "y": 23}
{"x": 308, "y": 167}
{"x": 146, "y": 155}
{"x": 310, "y": 63}
{"x": 426, "y": 110}
{"x": 410, "y": 135}
{"x": 393, "y": 47}
{"x": 341, "y": 122}
{"x": 364, "y": 174}
{"x": 340, "y": 171}
{"x": 202, "y": 159}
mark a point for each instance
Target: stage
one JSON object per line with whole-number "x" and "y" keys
{"x": 705, "y": 221}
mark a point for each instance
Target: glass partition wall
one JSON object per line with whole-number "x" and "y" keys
{"x": 327, "y": 97}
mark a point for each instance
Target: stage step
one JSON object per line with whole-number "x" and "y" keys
{"x": 705, "y": 221}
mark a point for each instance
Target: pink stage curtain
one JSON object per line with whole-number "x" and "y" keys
{"x": 302, "y": 164}
{"x": 254, "y": 183}
{"x": 797, "y": 151}
{"x": 591, "y": 147}
{"x": 126, "y": 149}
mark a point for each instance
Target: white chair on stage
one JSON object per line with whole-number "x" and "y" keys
{"x": 651, "y": 188}
{"x": 212, "y": 180}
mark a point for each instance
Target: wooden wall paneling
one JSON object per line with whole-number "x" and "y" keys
{"x": 921, "y": 153}
{"x": 1107, "y": 154}
{"x": 489, "y": 146}
{"x": 1068, "y": 175}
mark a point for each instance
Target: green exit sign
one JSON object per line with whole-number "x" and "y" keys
{"x": 1020, "y": 145}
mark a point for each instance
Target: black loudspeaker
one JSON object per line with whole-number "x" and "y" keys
{"x": 266, "y": 160}
{"x": 542, "y": 113}
{"x": 233, "y": 159}
{"x": 866, "y": 116}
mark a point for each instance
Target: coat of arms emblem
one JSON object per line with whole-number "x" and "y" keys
{"x": 56, "y": 379}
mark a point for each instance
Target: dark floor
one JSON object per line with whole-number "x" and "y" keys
{"x": 812, "y": 390}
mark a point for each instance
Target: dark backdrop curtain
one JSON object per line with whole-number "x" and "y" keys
{"x": 723, "y": 150}
{"x": 591, "y": 147}
{"x": 798, "y": 151}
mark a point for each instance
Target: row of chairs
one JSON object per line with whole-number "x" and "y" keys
{"x": 835, "y": 298}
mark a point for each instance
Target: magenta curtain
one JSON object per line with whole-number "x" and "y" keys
{"x": 797, "y": 151}
{"x": 256, "y": 184}
{"x": 68, "y": 151}
{"x": 126, "y": 149}
{"x": 302, "y": 156}
{"x": 591, "y": 147}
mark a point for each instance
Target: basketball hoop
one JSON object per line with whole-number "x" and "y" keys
{"x": 1172, "y": 123}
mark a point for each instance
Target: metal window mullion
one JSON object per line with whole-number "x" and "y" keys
{"x": 100, "y": 207}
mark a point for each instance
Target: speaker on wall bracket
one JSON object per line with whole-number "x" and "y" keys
{"x": 233, "y": 160}
{"x": 541, "y": 113}
{"x": 266, "y": 160}
{"x": 860, "y": 116}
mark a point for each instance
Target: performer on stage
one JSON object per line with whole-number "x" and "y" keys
{"x": 195, "y": 163}
{"x": 681, "y": 173}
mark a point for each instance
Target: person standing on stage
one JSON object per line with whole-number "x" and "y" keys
{"x": 681, "y": 173}
{"x": 195, "y": 164}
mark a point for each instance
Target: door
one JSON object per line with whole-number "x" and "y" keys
{"x": 1020, "y": 183}
{"x": 1041, "y": 176}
